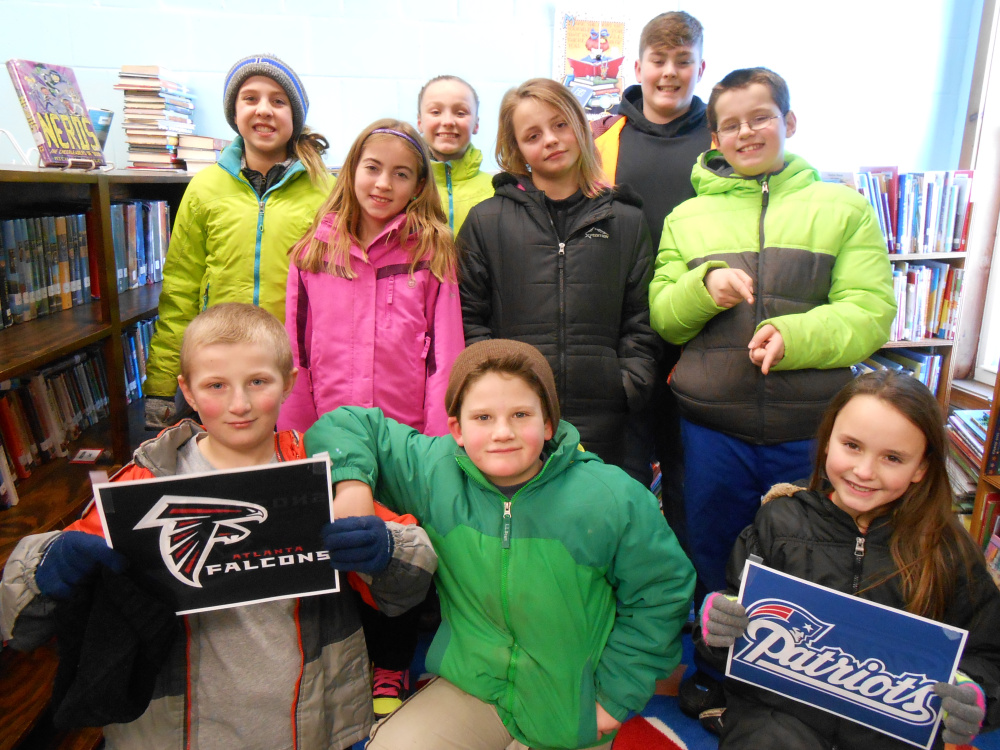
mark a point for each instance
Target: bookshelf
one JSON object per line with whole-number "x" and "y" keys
{"x": 989, "y": 478}
{"x": 57, "y": 491}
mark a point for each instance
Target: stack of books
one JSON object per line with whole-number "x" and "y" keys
{"x": 157, "y": 111}
{"x": 922, "y": 364}
{"x": 966, "y": 429}
{"x": 199, "y": 151}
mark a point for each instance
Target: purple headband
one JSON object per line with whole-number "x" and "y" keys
{"x": 401, "y": 134}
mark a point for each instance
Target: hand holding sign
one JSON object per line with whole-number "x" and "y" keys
{"x": 360, "y": 543}
{"x": 964, "y": 707}
{"x": 723, "y": 620}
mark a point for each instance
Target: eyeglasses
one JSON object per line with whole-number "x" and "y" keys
{"x": 754, "y": 123}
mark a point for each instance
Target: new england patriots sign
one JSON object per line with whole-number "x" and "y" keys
{"x": 225, "y": 538}
{"x": 866, "y": 662}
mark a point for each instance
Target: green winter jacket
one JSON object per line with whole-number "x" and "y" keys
{"x": 821, "y": 276}
{"x": 220, "y": 252}
{"x": 572, "y": 593}
{"x": 461, "y": 185}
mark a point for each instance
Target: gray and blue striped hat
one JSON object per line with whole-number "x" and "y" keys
{"x": 278, "y": 71}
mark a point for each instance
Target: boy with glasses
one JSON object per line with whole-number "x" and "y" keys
{"x": 775, "y": 283}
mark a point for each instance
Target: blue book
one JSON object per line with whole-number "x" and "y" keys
{"x": 8, "y": 255}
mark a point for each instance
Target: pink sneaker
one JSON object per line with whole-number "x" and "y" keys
{"x": 389, "y": 689}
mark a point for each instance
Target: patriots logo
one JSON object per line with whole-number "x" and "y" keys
{"x": 191, "y": 526}
{"x": 802, "y": 625}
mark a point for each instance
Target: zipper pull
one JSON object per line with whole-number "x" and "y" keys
{"x": 859, "y": 557}
{"x": 260, "y": 218}
{"x": 506, "y": 525}
{"x": 859, "y": 547}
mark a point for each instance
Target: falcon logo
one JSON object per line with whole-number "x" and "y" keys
{"x": 191, "y": 526}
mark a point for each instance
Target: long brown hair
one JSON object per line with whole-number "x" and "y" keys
{"x": 591, "y": 179}
{"x": 929, "y": 545}
{"x": 425, "y": 231}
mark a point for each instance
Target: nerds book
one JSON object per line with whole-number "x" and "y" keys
{"x": 225, "y": 538}
{"x": 863, "y": 661}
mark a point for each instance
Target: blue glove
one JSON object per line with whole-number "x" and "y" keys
{"x": 72, "y": 557}
{"x": 360, "y": 543}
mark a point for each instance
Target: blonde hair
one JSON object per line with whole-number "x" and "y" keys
{"x": 426, "y": 233}
{"x": 309, "y": 148}
{"x": 237, "y": 323}
{"x": 591, "y": 177}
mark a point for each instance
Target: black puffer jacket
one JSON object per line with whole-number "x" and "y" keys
{"x": 585, "y": 306}
{"x": 804, "y": 534}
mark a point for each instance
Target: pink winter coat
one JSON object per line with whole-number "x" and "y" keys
{"x": 384, "y": 338}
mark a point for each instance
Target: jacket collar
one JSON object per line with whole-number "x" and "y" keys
{"x": 712, "y": 175}
{"x": 463, "y": 168}
{"x": 631, "y": 107}
{"x": 231, "y": 160}
{"x": 517, "y": 186}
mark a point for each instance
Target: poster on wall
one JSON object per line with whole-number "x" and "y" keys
{"x": 589, "y": 56}
{"x": 225, "y": 538}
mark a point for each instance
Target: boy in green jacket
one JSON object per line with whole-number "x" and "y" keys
{"x": 563, "y": 590}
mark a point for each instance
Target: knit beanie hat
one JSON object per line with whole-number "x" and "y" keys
{"x": 277, "y": 71}
{"x": 502, "y": 350}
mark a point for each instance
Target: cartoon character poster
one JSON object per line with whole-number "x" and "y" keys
{"x": 829, "y": 650}
{"x": 56, "y": 113}
{"x": 225, "y": 538}
{"x": 589, "y": 57}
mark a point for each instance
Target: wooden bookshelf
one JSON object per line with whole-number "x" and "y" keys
{"x": 987, "y": 482}
{"x": 56, "y": 492}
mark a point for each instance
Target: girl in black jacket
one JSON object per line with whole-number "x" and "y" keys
{"x": 876, "y": 522}
{"x": 560, "y": 260}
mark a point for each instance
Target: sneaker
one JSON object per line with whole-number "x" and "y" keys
{"x": 389, "y": 689}
{"x": 712, "y": 720}
{"x": 699, "y": 693}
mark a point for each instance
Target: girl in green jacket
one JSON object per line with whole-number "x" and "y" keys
{"x": 272, "y": 176}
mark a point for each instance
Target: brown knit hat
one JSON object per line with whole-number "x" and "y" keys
{"x": 501, "y": 355}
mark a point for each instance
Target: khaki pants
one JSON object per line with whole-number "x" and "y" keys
{"x": 442, "y": 717}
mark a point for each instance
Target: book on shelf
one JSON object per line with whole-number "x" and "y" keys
{"x": 56, "y": 113}
{"x": 20, "y": 454}
{"x": 207, "y": 142}
{"x": 988, "y": 515}
{"x": 140, "y": 235}
{"x": 918, "y": 212}
{"x": 8, "y": 489}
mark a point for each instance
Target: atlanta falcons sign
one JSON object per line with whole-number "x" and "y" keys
{"x": 830, "y": 650}
{"x": 225, "y": 538}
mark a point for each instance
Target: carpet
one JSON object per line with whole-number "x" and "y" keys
{"x": 662, "y": 726}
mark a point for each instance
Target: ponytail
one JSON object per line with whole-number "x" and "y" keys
{"x": 309, "y": 148}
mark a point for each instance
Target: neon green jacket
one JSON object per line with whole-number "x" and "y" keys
{"x": 571, "y": 593}
{"x": 821, "y": 276}
{"x": 461, "y": 185}
{"x": 227, "y": 245}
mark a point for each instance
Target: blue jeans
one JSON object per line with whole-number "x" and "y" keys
{"x": 724, "y": 480}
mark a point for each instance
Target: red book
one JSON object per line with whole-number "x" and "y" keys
{"x": 19, "y": 454}
{"x": 93, "y": 249}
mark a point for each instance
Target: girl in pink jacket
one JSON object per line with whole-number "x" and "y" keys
{"x": 372, "y": 306}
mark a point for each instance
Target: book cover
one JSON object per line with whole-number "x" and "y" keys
{"x": 589, "y": 56}
{"x": 8, "y": 489}
{"x": 21, "y": 421}
{"x": 34, "y": 424}
{"x": 46, "y": 411}
{"x": 57, "y": 115}
{"x": 83, "y": 249}
{"x": 8, "y": 255}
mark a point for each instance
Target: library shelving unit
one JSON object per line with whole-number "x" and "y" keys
{"x": 987, "y": 482}
{"x": 55, "y": 493}
{"x": 944, "y": 347}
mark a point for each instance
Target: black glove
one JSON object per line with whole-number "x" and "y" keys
{"x": 360, "y": 543}
{"x": 72, "y": 557}
{"x": 723, "y": 620}
{"x": 964, "y": 706}
{"x": 161, "y": 412}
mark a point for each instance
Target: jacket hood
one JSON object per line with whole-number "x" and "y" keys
{"x": 631, "y": 107}
{"x": 463, "y": 168}
{"x": 712, "y": 175}
{"x": 510, "y": 185}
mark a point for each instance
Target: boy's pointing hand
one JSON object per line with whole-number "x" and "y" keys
{"x": 729, "y": 286}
